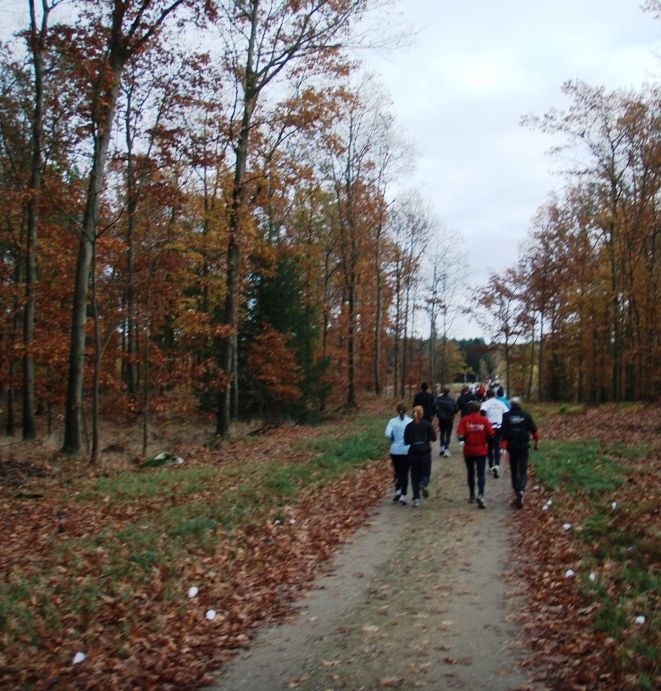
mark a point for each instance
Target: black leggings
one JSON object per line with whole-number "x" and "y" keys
{"x": 400, "y": 465}
{"x": 445, "y": 431}
{"x": 519, "y": 468}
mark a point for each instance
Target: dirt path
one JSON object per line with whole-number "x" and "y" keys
{"x": 420, "y": 598}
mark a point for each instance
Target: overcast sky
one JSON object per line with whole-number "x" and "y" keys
{"x": 478, "y": 66}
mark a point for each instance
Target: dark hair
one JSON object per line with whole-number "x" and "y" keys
{"x": 423, "y": 386}
{"x": 446, "y": 389}
{"x": 474, "y": 406}
{"x": 500, "y": 391}
{"x": 490, "y": 393}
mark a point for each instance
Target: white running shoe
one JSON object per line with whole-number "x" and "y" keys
{"x": 480, "y": 501}
{"x": 403, "y": 500}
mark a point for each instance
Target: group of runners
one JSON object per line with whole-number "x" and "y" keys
{"x": 489, "y": 425}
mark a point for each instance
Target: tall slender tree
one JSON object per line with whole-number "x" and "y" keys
{"x": 263, "y": 41}
{"x": 129, "y": 28}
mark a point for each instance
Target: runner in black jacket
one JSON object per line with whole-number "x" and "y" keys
{"x": 425, "y": 399}
{"x": 517, "y": 429}
{"x": 418, "y": 435}
{"x": 464, "y": 399}
{"x": 445, "y": 408}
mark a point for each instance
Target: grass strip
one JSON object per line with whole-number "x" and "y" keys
{"x": 620, "y": 544}
{"x": 141, "y": 524}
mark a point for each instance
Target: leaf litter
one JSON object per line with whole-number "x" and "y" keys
{"x": 147, "y": 639}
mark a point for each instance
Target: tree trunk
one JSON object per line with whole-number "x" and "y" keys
{"x": 532, "y": 362}
{"x": 146, "y": 395}
{"x": 131, "y": 204}
{"x": 540, "y": 358}
{"x": 36, "y": 41}
{"x": 75, "y": 383}
{"x": 231, "y": 318}
{"x": 351, "y": 344}
{"x": 405, "y": 360}
{"x": 379, "y": 319}
{"x": 228, "y": 350}
{"x": 97, "y": 365}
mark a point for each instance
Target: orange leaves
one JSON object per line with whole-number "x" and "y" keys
{"x": 274, "y": 365}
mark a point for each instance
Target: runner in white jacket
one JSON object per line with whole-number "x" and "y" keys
{"x": 494, "y": 410}
{"x": 399, "y": 452}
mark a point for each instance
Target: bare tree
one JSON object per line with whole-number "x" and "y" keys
{"x": 448, "y": 278}
{"x": 36, "y": 36}
{"x": 409, "y": 226}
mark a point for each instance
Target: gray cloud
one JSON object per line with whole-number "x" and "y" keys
{"x": 474, "y": 70}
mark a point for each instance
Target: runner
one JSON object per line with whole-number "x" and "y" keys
{"x": 474, "y": 432}
{"x": 399, "y": 452}
{"x": 518, "y": 427}
{"x": 418, "y": 435}
{"x": 425, "y": 399}
{"x": 445, "y": 408}
{"x": 494, "y": 410}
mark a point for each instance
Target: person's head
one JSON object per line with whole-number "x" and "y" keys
{"x": 500, "y": 391}
{"x": 515, "y": 402}
{"x": 418, "y": 413}
{"x": 474, "y": 407}
{"x": 424, "y": 386}
{"x": 491, "y": 393}
{"x": 401, "y": 410}
{"x": 446, "y": 390}
{"x": 465, "y": 389}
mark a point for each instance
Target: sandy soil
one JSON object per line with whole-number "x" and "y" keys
{"x": 419, "y": 599}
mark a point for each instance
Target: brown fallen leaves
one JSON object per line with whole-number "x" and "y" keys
{"x": 159, "y": 639}
{"x": 559, "y": 622}
{"x": 150, "y": 637}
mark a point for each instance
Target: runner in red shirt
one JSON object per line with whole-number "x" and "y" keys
{"x": 474, "y": 432}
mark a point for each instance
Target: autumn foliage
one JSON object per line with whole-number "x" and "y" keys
{"x": 578, "y": 314}
{"x": 170, "y": 185}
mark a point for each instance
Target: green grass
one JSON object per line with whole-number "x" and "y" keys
{"x": 618, "y": 543}
{"x": 580, "y": 468}
{"x": 567, "y": 409}
{"x": 147, "y": 484}
{"x": 189, "y": 510}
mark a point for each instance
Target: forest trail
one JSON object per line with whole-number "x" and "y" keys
{"x": 419, "y": 598}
